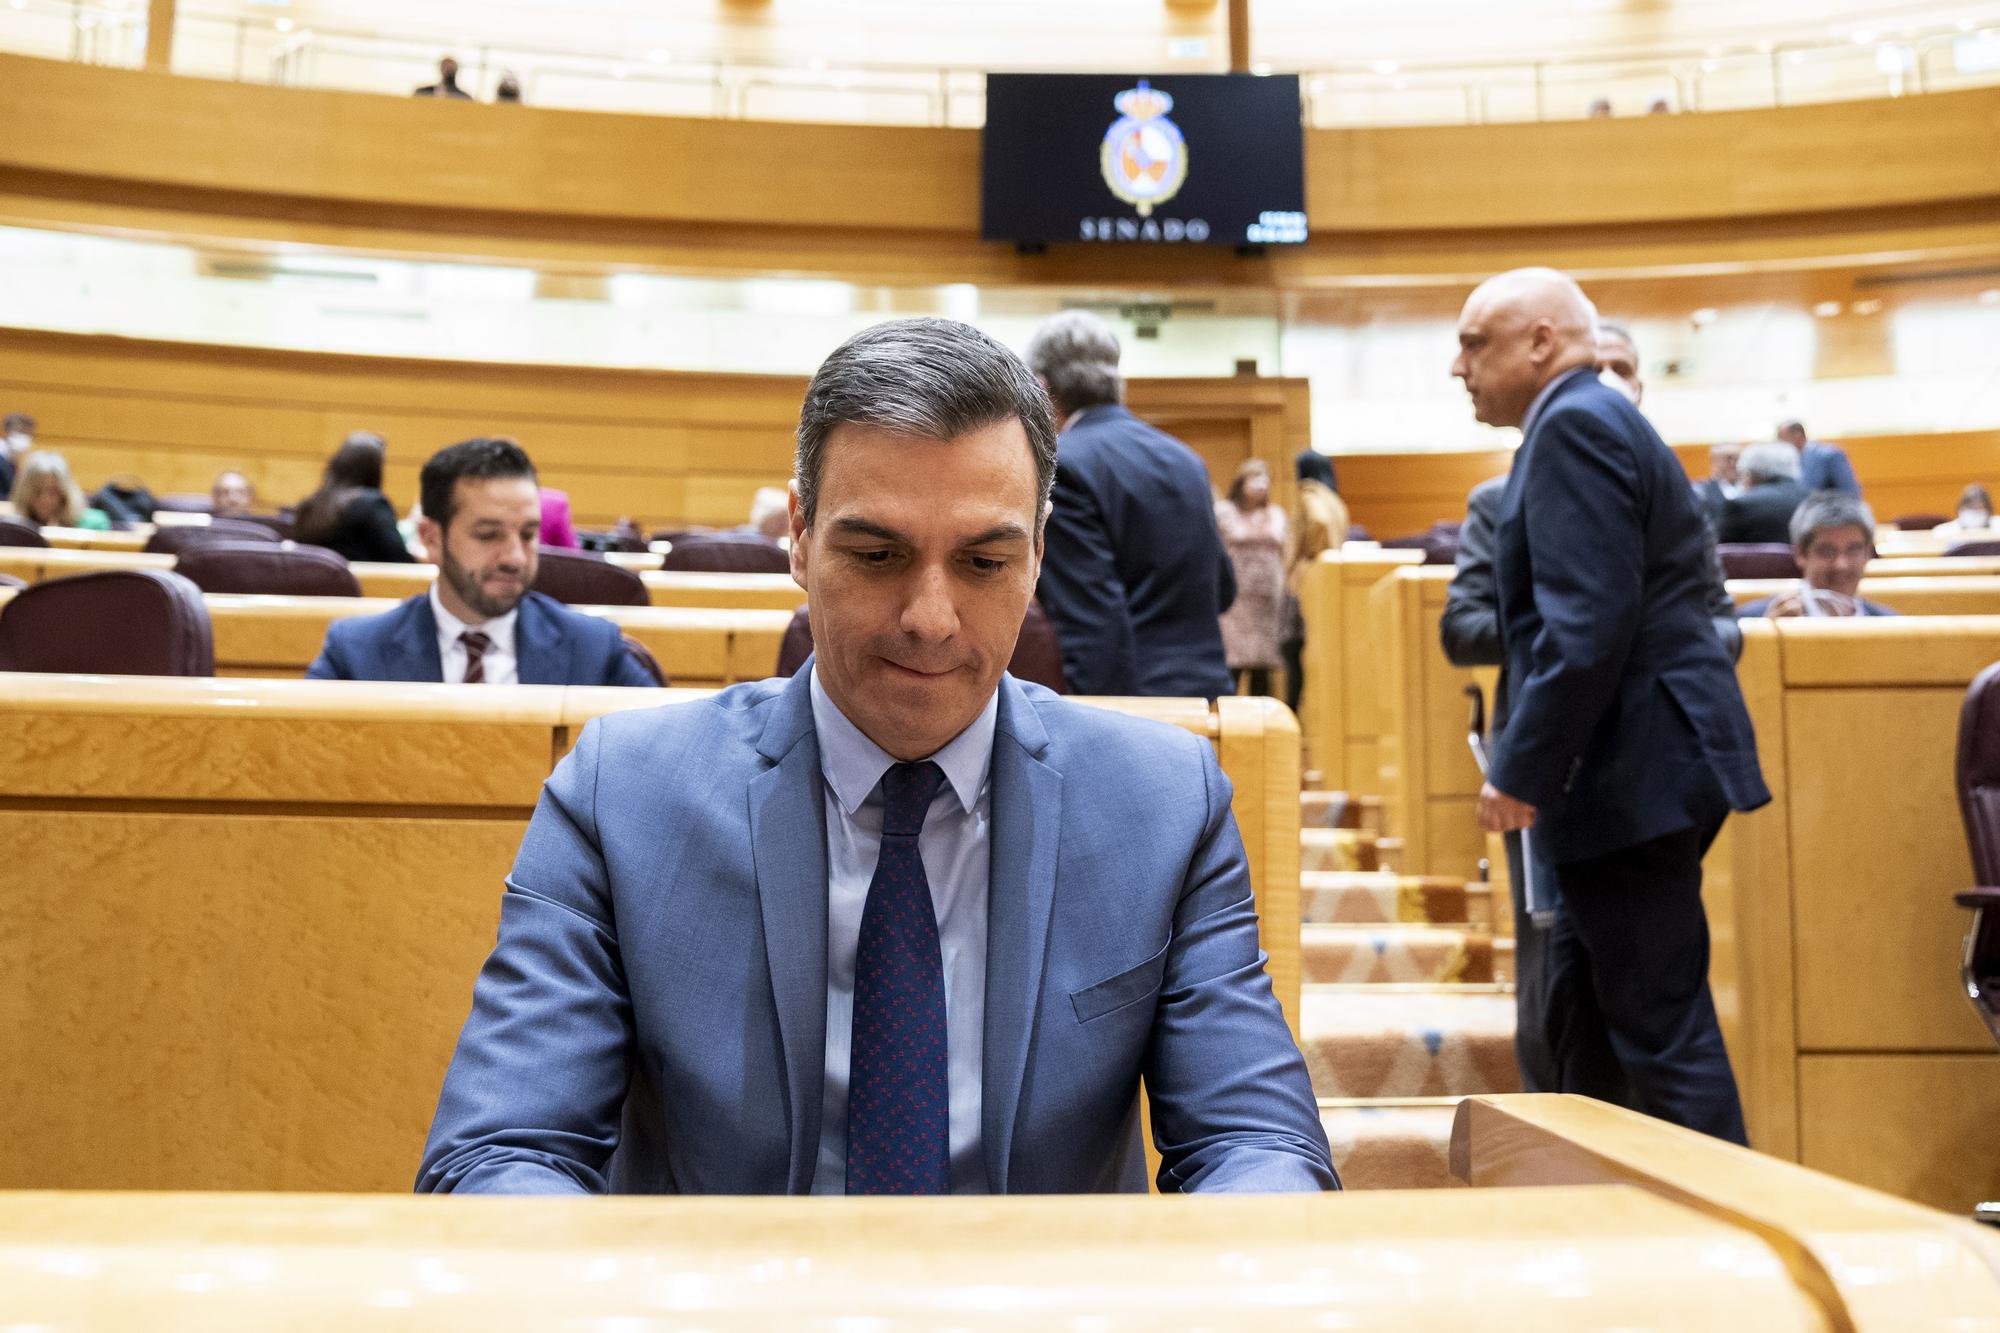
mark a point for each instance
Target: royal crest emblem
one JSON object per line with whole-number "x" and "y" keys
{"x": 1144, "y": 157}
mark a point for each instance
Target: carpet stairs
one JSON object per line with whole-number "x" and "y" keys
{"x": 1408, "y": 999}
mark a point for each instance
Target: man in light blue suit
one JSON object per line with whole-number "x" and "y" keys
{"x": 898, "y": 924}
{"x": 480, "y": 623}
{"x": 1822, "y": 467}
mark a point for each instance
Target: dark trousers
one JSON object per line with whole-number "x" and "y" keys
{"x": 1258, "y": 677}
{"x": 1294, "y": 651}
{"x": 1626, "y": 964}
{"x": 1567, "y": 1056}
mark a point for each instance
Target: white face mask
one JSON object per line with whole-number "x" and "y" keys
{"x": 18, "y": 442}
{"x": 1973, "y": 518}
{"x": 1617, "y": 382}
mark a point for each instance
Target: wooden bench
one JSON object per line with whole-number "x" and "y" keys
{"x": 278, "y": 637}
{"x": 242, "y": 919}
{"x": 1341, "y": 706}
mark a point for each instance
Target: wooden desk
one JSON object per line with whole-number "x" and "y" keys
{"x": 1913, "y": 595}
{"x": 1857, "y": 1049}
{"x": 91, "y": 539}
{"x": 243, "y": 918}
{"x": 1341, "y": 706}
{"x": 32, "y": 564}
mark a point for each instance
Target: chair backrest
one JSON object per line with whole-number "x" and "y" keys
{"x": 1978, "y": 773}
{"x": 1037, "y": 652}
{"x": 177, "y": 538}
{"x": 1758, "y": 560}
{"x": 1919, "y": 522}
{"x": 278, "y": 523}
{"x": 644, "y": 657}
{"x": 267, "y": 567}
{"x": 184, "y": 502}
{"x": 581, "y": 578}
{"x": 20, "y": 532}
{"x": 727, "y": 553}
{"x": 1974, "y": 548}
{"x": 600, "y": 540}
{"x": 119, "y": 622}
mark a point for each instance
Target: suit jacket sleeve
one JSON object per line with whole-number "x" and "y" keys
{"x": 624, "y": 668}
{"x": 1084, "y": 596}
{"x": 1470, "y": 626}
{"x": 1232, "y": 1104}
{"x": 1840, "y": 473}
{"x": 1586, "y": 550}
{"x": 532, "y": 1100}
{"x": 332, "y": 663}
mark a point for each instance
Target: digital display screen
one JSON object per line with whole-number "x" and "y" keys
{"x": 1161, "y": 159}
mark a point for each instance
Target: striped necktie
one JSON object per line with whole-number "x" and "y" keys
{"x": 476, "y": 646}
{"x": 898, "y": 1082}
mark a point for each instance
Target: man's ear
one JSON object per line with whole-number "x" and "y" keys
{"x": 431, "y": 534}
{"x": 797, "y": 514}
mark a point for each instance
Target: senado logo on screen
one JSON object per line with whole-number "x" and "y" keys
{"x": 1144, "y": 158}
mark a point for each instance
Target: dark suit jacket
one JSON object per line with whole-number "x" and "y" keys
{"x": 1470, "y": 626}
{"x": 1761, "y": 514}
{"x": 366, "y": 530}
{"x": 1134, "y": 575}
{"x": 6, "y": 471}
{"x": 1627, "y": 723}
{"x": 553, "y": 645}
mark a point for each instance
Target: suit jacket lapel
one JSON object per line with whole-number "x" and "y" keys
{"x": 788, "y": 851}
{"x": 412, "y": 650}
{"x": 1027, "y": 816}
{"x": 537, "y": 645}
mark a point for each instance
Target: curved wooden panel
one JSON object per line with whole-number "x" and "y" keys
{"x": 749, "y": 196}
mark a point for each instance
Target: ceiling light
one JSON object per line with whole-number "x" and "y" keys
{"x": 284, "y": 25}
{"x": 1991, "y": 296}
{"x": 1827, "y": 309}
{"x": 1708, "y": 314}
{"x": 1871, "y": 306}
{"x": 1863, "y": 37}
{"x": 1261, "y": 68}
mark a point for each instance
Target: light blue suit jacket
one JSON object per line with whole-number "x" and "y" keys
{"x": 653, "y": 1017}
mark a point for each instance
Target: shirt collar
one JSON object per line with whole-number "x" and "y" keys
{"x": 1548, "y": 392}
{"x": 854, "y": 765}
{"x": 500, "y": 629}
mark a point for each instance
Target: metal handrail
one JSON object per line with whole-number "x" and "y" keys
{"x": 1684, "y": 77}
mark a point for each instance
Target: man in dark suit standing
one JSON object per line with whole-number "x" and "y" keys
{"x": 1135, "y": 576}
{"x": 1772, "y": 493}
{"x": 1627, "y": 743}
{"x": 479, "y": 624}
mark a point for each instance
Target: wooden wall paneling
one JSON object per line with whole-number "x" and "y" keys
{"x": 1755, "y": 996}
{"x": 1918, "y": 1126}
{"x": 1396, "y": 495}
{"x": 1257, "y": 743}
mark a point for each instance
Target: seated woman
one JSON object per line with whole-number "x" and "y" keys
{"x": 349, "y": 513}
{"x": 46, "y": 495}
{"x": 1974, "y": 513}
{"x": 1833, "y": 535}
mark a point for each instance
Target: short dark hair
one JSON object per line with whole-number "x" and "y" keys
{"x": 18, "y": 421}
{"x": 928, "y": 377}
{"x": 480, "y": 459}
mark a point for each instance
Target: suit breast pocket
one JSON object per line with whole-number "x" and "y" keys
{"x": 1116, "y": 992}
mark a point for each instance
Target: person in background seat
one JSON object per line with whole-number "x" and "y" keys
{"x": 1834, "y": 537}
{"x": 231, "y": 495}
{"x": 1822, "y": 467}
{"x": 479, "y": 624}
{"x": 46, "y": 495}
{"x": 348, "y": 513}
{"x": 447, "y": 83}
{"x": 1772, "y": 492}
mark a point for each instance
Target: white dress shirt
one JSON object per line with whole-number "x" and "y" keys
{"x": 503, "y": 665}
{"x": 956, "y": 849}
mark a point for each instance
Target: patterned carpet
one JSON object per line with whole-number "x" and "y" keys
{"x": 1408, "y": 1004}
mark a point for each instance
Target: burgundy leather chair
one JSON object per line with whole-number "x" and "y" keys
{"x": 20, "y": 532}
{"x": 1974, "y": 548}
{"x": 727, "y": 553}
{"x": 1037, "y": 652}
{"x": 644, "y": 657}
{"x": 119, "y": 622}
{"x": 174, "y": 540}
{"x": 580, "y": 578}
{"x": 1758, "y": 560}
{"x": 1919, "y": 522}
{"x": 1979, "y": 806}
{"x": 267, "y": 567}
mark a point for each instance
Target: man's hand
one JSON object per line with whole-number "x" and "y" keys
{"x": 1785, "y": 604}
{"x": 1501, "y": 813}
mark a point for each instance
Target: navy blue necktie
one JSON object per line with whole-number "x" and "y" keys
{"x": 898, "y": 1085}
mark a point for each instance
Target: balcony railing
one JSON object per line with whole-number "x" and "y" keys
{"x": 1385, "y": 92}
